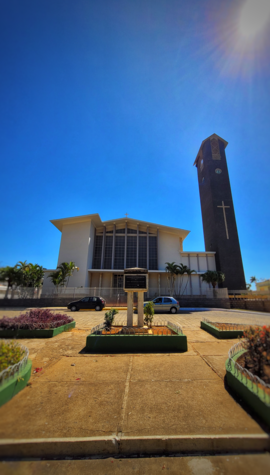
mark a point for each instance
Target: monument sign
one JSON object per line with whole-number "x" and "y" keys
{"x": 135, "y": 280}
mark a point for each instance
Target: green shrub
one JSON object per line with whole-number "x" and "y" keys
{"x": 149, "y": 313}
{"x": 109, "y": 318}
{"x": 257, "y": 359}
{"x": 10, "y": 353}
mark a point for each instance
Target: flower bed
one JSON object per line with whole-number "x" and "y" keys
{"x": 37, "y": 323}
{"x": 254, "y": 390}
{"x": 224, "y": 331}
{"x": 15, "y": 369}
{"x": 166, "y": 337}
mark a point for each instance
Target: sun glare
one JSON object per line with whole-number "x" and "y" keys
{"x": 254, "y": 17}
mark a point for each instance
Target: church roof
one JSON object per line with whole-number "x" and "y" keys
{"x": 96, "y": 220}
{"x": 213, "y": 136}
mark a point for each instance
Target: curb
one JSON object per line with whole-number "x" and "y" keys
{"x": 128, "y": 446}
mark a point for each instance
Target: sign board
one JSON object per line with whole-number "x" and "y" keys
{"x": 135, "y": 282}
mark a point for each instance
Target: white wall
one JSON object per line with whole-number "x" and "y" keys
{"x": 77, "y": 246}
{"x": 168, "y": 249}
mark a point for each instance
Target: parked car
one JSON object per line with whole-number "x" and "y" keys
{"x": 165, "y": 304}
{"x": 87, "y": 303}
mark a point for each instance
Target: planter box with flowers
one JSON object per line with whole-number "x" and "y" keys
{"x": 37, "y": 323}
{"x": 248, "y": 370}
{"x": 15, "y": 369}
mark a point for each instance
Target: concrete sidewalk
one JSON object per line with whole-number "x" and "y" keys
{"x": 78, "y": 394}
{"x": 208, "y": 465}
{"x": 81, "y": 404}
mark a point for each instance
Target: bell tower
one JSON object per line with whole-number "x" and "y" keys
{"x": 219, "y": 223}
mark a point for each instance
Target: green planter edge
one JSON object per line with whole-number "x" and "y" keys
{"x": 136, "y": 343}
{"x": 222, "y": 335}
{"x": 247, "y": 390}
{"x": 15, "y": 384}
{"x": 36, "y": 333}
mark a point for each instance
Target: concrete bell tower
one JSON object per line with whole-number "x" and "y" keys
{"x": 219, "y": 223}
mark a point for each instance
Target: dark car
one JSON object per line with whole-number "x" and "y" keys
{"x": 87, "y": 303}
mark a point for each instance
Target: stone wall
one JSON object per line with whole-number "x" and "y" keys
{"x": 195, "y": 302}
{"x": 63, "y": 302}
{"x": 35, "y": 303}
{"x": 255, "y": 305}
{"x": 200, "y": 302}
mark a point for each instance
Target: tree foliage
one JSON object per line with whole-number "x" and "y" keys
{"x": 60, "y": 278}
{"x": 22, "y": 276}
{"x": 213, "y": 277}
{"x": 173, "y": 271}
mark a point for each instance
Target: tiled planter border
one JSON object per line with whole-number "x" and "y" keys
{"x": 36, "y": 333}
{"x": 250, "y": 392}
{"x": 221, "y": 334}
{"x": 15, "y": 384}
{"x": 136, "y": 343}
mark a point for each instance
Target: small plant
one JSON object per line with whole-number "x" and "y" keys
{"x": 149, "y": 313}
{"x": 257, "y": 358}
{"x": 36, "y": 319}
{"x": 109, "y": 318}
{"x": 10, "y": 353}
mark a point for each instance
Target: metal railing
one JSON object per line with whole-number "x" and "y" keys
{"x": 125, "y": 330}
{"x": 12, "y": 370}
{"x": 119, "y": 295}
{"x": 246, "y": 375}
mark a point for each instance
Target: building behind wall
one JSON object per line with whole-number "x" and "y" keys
{"x": 103, "y": 249}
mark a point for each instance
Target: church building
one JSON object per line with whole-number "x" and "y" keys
{"x": 103, "y": 249}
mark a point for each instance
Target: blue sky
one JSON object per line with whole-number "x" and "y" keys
{"x": 104, "y": 105}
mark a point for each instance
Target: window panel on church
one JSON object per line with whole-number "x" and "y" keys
{"x": 97, "y": 253}
{"x": 119, "y": 252}
{"x": 142, "y": 251}
{"x": 153, "y": 252}
{"x": 131, "y": 251}
{"x": 108, "y": 252}
{"x": 120, "y": 231}
{"x": 131, "y": 231}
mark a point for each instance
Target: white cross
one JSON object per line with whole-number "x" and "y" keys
{"x": 225, "y": 220}
{"x": 126, "y": 214}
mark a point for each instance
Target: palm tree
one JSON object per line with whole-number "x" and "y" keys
{"x": 11, "y": 276}
{"x": 67, "y": 269}
{"x": 172, "y": 270}
{"x": 213, "y": 277}
{"x": 182, "y": 269}
{"x": 57, "y": 279}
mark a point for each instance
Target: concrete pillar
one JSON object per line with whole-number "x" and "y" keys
{"x": 158, "y": 284}
{"x": 137, "y": 260}
{"x": 157, "y": 245}
{"x": 125, "y": 254}
{"x": 140, "y": 309}
{"x": 103, "y": 248}
{"x": 130, "y": 309}
{"x": 113, "y": 247}
{"x": 147, "y": 247}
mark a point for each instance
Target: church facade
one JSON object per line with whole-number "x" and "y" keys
{"x": 103, "y": 249}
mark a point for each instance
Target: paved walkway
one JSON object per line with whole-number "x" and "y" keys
{"x": 188, "y": 319}
{"x": 79, "y": 395}
{"x": 215, "y": 465}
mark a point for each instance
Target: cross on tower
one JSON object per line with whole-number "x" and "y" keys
{"x": 225, "y": 220}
